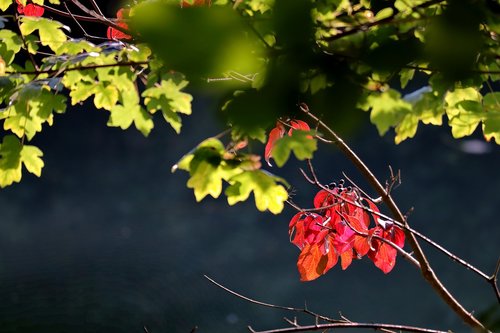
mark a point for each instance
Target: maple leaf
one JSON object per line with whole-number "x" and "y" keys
{"x": 114, "y": 33}
{"x": 269, "y": 195}
{"x": 299, "y": 141}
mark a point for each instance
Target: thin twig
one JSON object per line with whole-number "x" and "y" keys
{"x": 25, "y": 44}
{"x": 332, "y": 326}
{"x": 269, "y": 305}
{"x": 494, "y": 280}
{"x": 79, "y": 68}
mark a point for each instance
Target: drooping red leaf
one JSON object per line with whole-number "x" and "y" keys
{"x": 312, "y": 263}
{"x": 346, "y": 259}
{"x": 298, "y": 125}
{"x": 384, "y": 257}
{"x": 275, "y": 134}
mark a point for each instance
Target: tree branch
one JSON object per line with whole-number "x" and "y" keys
{"x": 427, "y": 271}
{"x": 332, "y": 323}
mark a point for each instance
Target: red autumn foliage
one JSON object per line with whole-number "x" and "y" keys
{"x": 341, "y": 228}
{"x": 195, "y": 3}
{"x": 278, "y": 132}
{"x": 30, "y": 9}
{"x": 113, "y": 33}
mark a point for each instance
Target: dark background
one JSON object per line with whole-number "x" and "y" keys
{"x": 108, "y": 240}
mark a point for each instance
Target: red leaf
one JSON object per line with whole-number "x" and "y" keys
{"x": 312, "y": 263}
{"x": 275, "y": 134}
{"x": 113, "y": 33}
{"x": 30, "y": 9}
{"x": 298, "y": 125}
{"x": 385, "y": 257}
{"x": 346, "y": 259}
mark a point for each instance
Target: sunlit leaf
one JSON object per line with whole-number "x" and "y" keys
{"x": 268, "y": 193}
{"x": 13, "y": 154}
{"x": 301, "y": 143}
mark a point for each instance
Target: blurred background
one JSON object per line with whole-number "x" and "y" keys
{"x": 109, "y": 240}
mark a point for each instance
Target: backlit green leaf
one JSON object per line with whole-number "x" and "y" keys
{"x": 300, "y": 142}
{"x": 10, "y": 44}
{"x": 13, "y": 154}
{"x": 268, "y": 193}
{"x": 388, "y": 109}
{"x": 50, "y": 31}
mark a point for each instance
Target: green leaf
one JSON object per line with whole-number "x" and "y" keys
{"x": 405, "y": 76}
{"x": 300, "y": 142}
{"x": 491, "y": 122}
{"x": 33, "y": 107}
{"x": 10, "y": 44}
{"x": 81, "y": 91}
{"x": 13, "y": 155}
{"x": 407, "y": 128}
{"x": 123, "y": 117}
{"x": 464, "y": 111}
{"x": 74, "y": 47}
{"x": 50, "y": 31}
{"x": 205, "y": 169}
{"x": 168, "y": 97}
{"x": 268, "y": 193}
{"x": 106, "y": 97}
{"x": 4, "y": 4}
{"x": 388, "y": 109}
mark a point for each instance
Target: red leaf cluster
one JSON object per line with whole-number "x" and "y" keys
{"x": 278, "y": 132}
{"x": 115, "y": 33}
{"x": 340, "y": 227}
{"x": 30, "y": 9}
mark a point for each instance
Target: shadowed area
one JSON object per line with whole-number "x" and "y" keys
{"x": 109, "y": 240}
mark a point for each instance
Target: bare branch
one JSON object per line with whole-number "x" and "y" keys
{"x": 374, "y": 326}
{"x": 269, "y": 305}
{"x": 426, "y": 269}
{"x": 494, "y": 280}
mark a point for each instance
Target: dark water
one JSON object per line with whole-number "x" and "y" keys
{"x": 108, "y": 240}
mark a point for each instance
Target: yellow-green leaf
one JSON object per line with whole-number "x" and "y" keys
{"x": 268, "y": 193}
{"x": 13, "y": 154}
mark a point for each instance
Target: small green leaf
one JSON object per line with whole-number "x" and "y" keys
{"x": 407, "y": 128}
{"x": 106, "y": 97}
{"x": 81, "y": 91}
{"x": 300, "y": 142}
{"x": 33, "y": 107}
{"x": 50, "y": 31}
{"x": 74, "y": 47}
{"x": 464, "y": 111}
{"x": 268, "y": 193}
{"x": 10, "y": 44}
{"x": 12, "y": 155}
{"x": 491, "y": 122}
{"x": 168, "y": 97}
{"x": 4, "y": 4}
{"x": 405, "y": 75}
{"x": 388, "y": 109}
